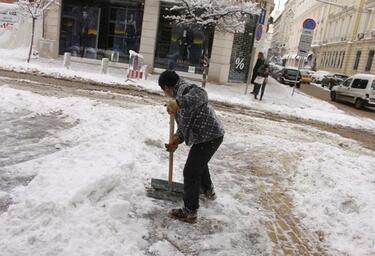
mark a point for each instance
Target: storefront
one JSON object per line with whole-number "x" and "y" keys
{"x": 101, "y": 29}
{"x": 96, "y": 29}
{"x": 181, "y": 47}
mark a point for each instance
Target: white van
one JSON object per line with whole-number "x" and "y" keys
{"x": 358, "y": 89}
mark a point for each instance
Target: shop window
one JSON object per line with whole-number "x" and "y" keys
{"x": 181, "y": 47}
{"x": 370, "y": 60}
{"x": 101, "y": 29}
{"x": 357, "y": 59}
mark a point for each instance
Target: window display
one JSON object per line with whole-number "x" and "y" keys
{"x": 101, "y": 29}
{"x": 181, "y": 47}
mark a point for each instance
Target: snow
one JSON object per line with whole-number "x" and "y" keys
{"x": 88, "y": 162}
{"x": 88, "y": 196}
{"x": 224, "y": 15}
{"x": 278, "y": 98}
{"x": 334, "y": 191}
{"x": 35, "y": 8}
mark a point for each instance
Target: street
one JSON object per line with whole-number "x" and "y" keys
{"x": 323, "y": 94}
{"x": 265, "y": 172}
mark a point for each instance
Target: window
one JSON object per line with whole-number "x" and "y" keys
{"x": 357, "y": 59}
{"x": 101, "y": 29}
{"x": 181, "y": 47}
{"x": 335, "y": 62}
{"x": 370, "y": 60}
{"x": 342, "y": 59}
{"x": 360, "y": 83}
{"x": 347, "y": 82}
{"x": 327, "y": 60}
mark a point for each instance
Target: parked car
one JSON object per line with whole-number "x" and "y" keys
{"x": 358, "y": 89}
{"x": 332, "y": 80}
{"x": 306, "y": 76}
{"x": 318, "y": 76}
{"x": 289, "y": 75}
{"x": 274, "y": 68}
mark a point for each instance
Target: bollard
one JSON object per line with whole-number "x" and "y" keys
{"x": 145, "y": 72}
{"x": 115, "y": 56}
{"x": 67, "y": 59}
{"x": 104, "y": 66}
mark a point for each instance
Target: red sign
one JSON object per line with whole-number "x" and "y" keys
{"x": 6, "y": 26}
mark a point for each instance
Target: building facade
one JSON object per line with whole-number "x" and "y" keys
{"x": 109, "y": 29}
{"x": 344, "y": 37}
{"x": 349, "y": 44}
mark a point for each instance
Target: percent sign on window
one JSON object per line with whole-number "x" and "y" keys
{"x": 240, "y": 63}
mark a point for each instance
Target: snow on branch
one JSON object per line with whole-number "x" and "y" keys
{"x": 35, "y": 8}
{"x": 224, "y": 15}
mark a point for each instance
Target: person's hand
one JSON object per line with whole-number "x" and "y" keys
{"x": 173, "y": 145}
{"x": 172, "y": 107}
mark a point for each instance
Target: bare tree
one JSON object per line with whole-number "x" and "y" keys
{"x": 34, "y": 9}
{"x": 221, "y": 15}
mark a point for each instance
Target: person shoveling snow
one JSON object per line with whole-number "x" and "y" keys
{"x": 198, "y": 127}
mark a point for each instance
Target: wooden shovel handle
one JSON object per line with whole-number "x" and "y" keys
{"x": 171, "y": 133}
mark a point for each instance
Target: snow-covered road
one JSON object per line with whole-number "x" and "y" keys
{"x": 82, "y": 166}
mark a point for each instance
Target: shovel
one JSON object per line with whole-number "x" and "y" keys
{"x": 167, "y": 189}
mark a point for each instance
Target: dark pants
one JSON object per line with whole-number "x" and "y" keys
{"x": 196, "y": 172}
{"x": 261, "y": 88}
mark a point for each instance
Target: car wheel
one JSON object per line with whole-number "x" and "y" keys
{"x": 333, "y": 96}
{"x": 358, "y": 103}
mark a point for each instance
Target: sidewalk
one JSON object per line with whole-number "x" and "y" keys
{"x": 277, "y": 98}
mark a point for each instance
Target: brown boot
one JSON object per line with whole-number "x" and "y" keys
{"x": 183, "y": 214}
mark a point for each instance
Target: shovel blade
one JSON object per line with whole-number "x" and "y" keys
{"x": 164, "y": 195}
{"x": 163, "y": 185}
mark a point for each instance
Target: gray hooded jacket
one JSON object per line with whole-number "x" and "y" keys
{"x": 196, "y": 120}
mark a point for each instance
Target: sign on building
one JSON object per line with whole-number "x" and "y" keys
{"x": 8, "y": 19}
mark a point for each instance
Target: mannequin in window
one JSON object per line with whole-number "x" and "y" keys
{"x": 131, "y": 30}
{"x": 187, "y": 38}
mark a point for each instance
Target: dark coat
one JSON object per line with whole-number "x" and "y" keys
{"x": 259, "y": 63}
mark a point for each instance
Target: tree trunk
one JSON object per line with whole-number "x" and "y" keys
{"x": 32, "y": 40}
{"x": 205, "y": 64}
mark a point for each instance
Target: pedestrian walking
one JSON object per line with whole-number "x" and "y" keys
{"x": 261, "y": 80}
{"x": 260, "y": 61}
{"x": 199, "y": 127}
